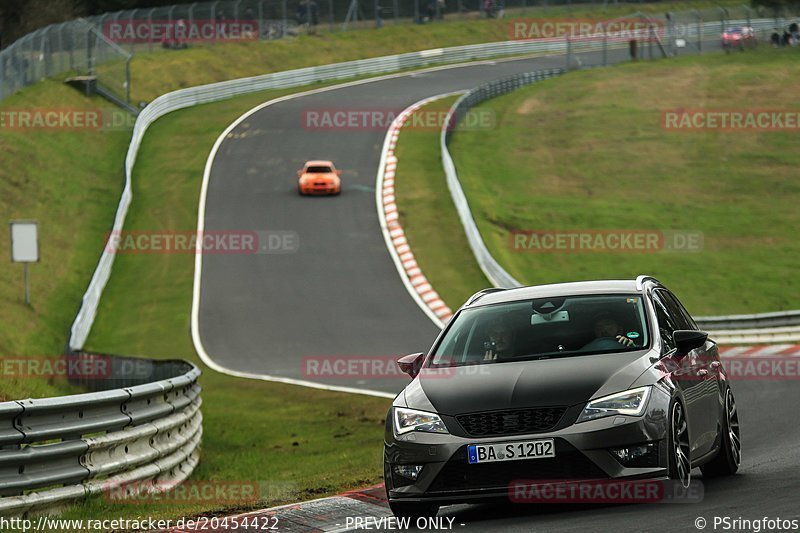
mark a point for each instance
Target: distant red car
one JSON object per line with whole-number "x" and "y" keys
{"x": 740, "y": 37}
{"x": 319, "y": 177}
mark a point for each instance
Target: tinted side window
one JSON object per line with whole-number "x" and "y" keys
{"x": 675, "y": 311}
{"x": 678, "y": 306}
{"x": 666, "y": 322}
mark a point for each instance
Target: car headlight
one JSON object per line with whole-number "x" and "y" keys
{"x": 630, "y": 402}
{"x": 406, "y": 420}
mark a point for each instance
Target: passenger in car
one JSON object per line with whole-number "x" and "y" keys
{"x": 500, "y": 343}
{"x": 605, "y": 326}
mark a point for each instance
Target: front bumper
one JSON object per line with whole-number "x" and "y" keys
{"x": 327, "y": 189}
{"x": 583, "y": 452}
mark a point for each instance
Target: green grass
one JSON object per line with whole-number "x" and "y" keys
{"x": 166, "y": 70}
{"x": 51, "y": 176}
{"x": 587, "y": 151}
{"x": 437, "y": 241}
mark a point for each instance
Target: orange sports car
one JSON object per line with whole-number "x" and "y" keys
{"x": 319, "y": 177}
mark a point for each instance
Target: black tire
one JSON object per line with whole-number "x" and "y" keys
{"x": 727, "y": 461}
{"x": 679, "y": 454}
{"x": 413, "y": 509}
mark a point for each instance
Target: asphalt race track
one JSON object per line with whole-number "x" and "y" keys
{"x": 340, "y": 295}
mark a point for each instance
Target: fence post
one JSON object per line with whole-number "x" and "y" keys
{"x": 569, "y": 51}
{"x": 45, "y": 52}
{"x": 699, "y": 32}
{"x": 605, "y": 44}
{"x": 150, "y": 24}
{"x": 89, "y": 65}
{"x": 128, "y": 80}
{"x": 131, "y": 20}
{"x": 260, "y": 19}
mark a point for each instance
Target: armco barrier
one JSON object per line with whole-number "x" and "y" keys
{"x": 296, "y": 78}
{"x": 137, "y": 427}
{"x": 734, "y": 329}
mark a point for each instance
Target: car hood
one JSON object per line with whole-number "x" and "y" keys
{"x": 550, "y": 382}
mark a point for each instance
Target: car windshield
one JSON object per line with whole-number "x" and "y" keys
{"x": 734, "y": 30}
{"x": 544, "y": 328}
{"x": 318, "y": 170}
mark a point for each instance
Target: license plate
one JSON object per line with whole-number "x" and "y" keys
{"x": 510, "y": 451}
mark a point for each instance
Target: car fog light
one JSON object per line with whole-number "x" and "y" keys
{"x": 409, "y": 471}
{"x": 641, "y": 455}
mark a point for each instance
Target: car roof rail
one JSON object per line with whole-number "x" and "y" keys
{"x": 483, "y": 292}
{"x": 641, "y": 279}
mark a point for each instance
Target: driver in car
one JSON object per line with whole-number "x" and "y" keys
{"x": 500, "y": 343}
{"x": 606, "y": 327}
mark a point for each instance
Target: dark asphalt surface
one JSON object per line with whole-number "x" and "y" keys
{"x": 767, "y": 484}
{"x": 341, "y": 295}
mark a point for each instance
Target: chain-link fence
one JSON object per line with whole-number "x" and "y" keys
{"x": 101, "y": 47}
{"x": 75, "y": 48}
{"x": 644, "y": 36}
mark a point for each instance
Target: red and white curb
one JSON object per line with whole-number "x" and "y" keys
{"x": 334, "y": 514}
{"x": 415, "y": 281}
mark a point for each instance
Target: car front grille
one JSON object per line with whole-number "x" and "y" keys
{"x": 511, "y": 422}
{"x": 569, "y": 463}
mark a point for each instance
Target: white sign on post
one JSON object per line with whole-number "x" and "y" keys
{"x": 24, "y": 241}
{"x": 25, "y": 246}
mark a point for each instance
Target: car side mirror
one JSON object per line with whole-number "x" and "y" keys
{"x": 411, "y": 364}
{"x": 687, "y": 340}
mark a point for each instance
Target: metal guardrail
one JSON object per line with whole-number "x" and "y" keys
{"x": 780, "y": 319}
{"x": 757, "y": 328}
{"x": 493, "y": 271}
{"x": 183, "y": 98}
{"x": 140, "y": 430}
